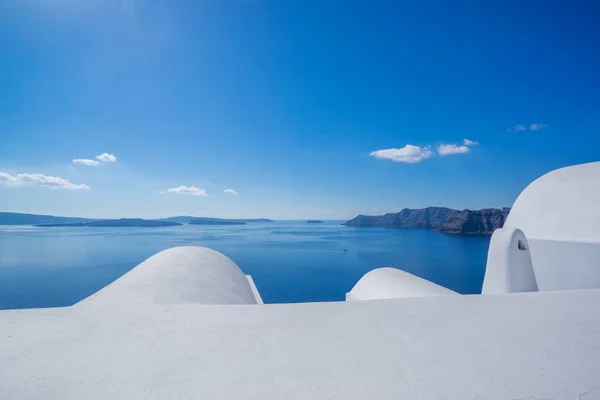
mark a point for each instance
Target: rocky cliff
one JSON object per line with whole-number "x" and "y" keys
{"x": 445, "y": 220}
{"x": 428, "y": 218}
{"x": 475, "y": 222}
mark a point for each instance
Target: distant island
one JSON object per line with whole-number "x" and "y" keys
{"x": 106, "y": 223}
{"x": 314, "y": 221}
{"x": 182, "y": 219}
{"x": 186, "y": 219}
{"x": 440, "y": 219}
{"x": 215, "y": 221}
{"x": 223, "y": 221}
{"x": 10, "y": 218}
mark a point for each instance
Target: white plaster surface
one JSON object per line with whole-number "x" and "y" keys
{"x": 180, "y": 275}
{"x": 390, "y": 283}
{"x": 559, "y": 214}
{"x": 543, "y": 345}
{"x": 509, "y": 268}
{"x": 561, "y": 205}
{"x": 255, "y": 291}
{"x": 564, "y": 265}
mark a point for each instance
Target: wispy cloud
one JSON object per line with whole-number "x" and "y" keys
{"x": 537, "y": 127}
{"x": 85, "y": 161}
{"x": 517, "y": 128}
{"x": 230, "y": 191}
{"x": 468, "y": 142}
{"x": 186, "y": 190}
{"x": 522, "y": 128}
{"x": 106, "y": 157}
{"x": 102, "y": 158}
{"x": 407, "y": 154}
{"x": 448, "y": 149}
{"x": 52, "y": 182}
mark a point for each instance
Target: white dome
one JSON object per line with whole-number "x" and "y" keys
{"x": 390, "y": 283}
{"x": 181, "y": 275}
{"x": 560, "y": 218}
{"x": 563, "y": 204}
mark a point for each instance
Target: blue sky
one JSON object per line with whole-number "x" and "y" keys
{"x": 304, "y": 109}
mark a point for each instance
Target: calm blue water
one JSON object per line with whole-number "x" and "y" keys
{"x": 289, "y": 261}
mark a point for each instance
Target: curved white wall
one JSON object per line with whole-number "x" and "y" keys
{"x": 181, "y": 275}
{"x": 391, "y": 283}
{"x": 561, "y": 265}
{"x": 509, "y": 267}
{"x": 563, "y": 204}
{"x": 559, "y": 214}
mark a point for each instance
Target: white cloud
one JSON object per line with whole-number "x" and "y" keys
{"x": 407, "y": 154}
{"x": 186, "y": 190}
{"x": 517, "y": 128}
{"x": 521, "y": 128}
{"x": 448, "y": 149}
{"x": 468, "y": 142}
{"x": 106, "y": 157}
{"x": 230, "y": 191}
{"x": 537, "y": 127}
{"x": 85, "y": 161}
{"x": 53, "y": 182}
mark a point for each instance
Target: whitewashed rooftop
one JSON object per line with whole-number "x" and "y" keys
{"x": 511, "y": 346}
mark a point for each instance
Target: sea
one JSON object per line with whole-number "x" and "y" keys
{"x": 290, "y": 261}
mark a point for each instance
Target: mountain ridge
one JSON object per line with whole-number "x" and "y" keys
{"x": 121, "y": 222}
{"x": 12, "y": 218}
{"x": 440, "y": 219}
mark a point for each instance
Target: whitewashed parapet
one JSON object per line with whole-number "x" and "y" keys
{"x": 509, "y": 268}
